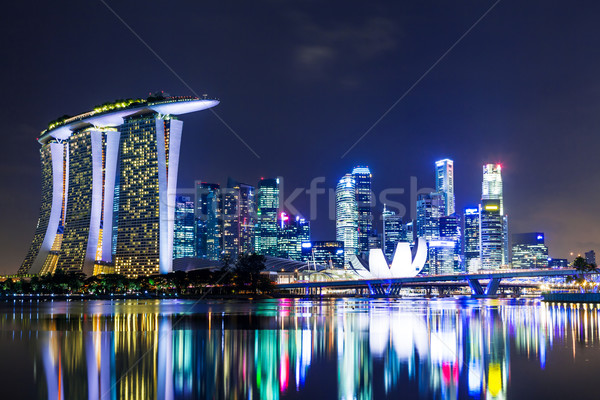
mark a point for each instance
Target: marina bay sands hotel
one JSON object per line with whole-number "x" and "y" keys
{"x": 109, "y": 179}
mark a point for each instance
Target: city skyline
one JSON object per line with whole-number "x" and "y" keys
{"x": 498, "y": 97}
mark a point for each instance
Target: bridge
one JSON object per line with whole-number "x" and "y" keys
{"x": 392, "y": 286}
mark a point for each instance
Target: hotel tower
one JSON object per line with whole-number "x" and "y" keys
{"x": 109, "y": 179}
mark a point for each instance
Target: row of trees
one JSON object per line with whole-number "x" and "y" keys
{"x": 241, "y": 277}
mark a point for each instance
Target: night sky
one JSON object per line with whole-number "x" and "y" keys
{"x": 301, "y": 81}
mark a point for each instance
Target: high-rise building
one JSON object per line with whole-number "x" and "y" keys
{"x": 409, "y": 227}
{"x": 123, "y": 154}
{"x": 590, "y": 257}
{"x": 529, "y": 250}
{"x": 444, "y": 183}
{"x": 558, "y": 262}
{"x": 184, "y": 241}
{"x": 209, "y": 223}
{"x": 292, "y": 234}
{"x": 374, "y": 240}
{"x": 491, "y": 189}
{"x": 491, "y": 235}
{"x": 472, "y": 258}
{"x": 267, "y": 202}
{"x": 362, "y": 178}
{"x": 326, "y": 253}
{"x": 450, "y": 231}
{"x": 346, "y": 216}
{"x": 239, "y": 219}
{"x": 430, "y": 208}
{"x": 394, "y": 231}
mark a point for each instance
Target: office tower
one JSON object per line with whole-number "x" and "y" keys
{"x": 590, "y": 257}
{"x": 239, "y": 219}
{"x": 491, "y": 189}
{"x": 346, "y": 212}
{"x": 291, "y": 234}
{"x": 394, "y": 231}
{"x": 121, "y": 154}
{"x": 267, "y": 202}
{"x": 558, "y": 263}
{"x": 209, "y": 223}
{"x": 472, "y": 258}
{"x": 491, "y": 235}
{"x": 430, "y": 207}
{"x": 303, "y": 230}
{"x": 409, "y": 227}
{"x": 450, "y": 233}
{"x": 230, "y": 217}
{"x": 362, "y": 178}
{"x": 329, "y": 254}
{"x": 184, "y": 241}
{"x": 374, "y": 240}
{"x": 444, "y": 183}
{"x": 529, "y": 251}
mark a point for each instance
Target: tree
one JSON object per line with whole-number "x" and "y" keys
{"x": 248, "y": 268}
{"x": 583, "y": 267}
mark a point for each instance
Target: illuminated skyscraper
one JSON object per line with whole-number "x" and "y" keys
{"x": 209, "y": 224}
{"x": 326, "y": 253}
{"x": 267, "y": 202}
{"x": 393, "y": 232}
{"x": 491, "y": 235}
{"x": 444, "y": 183}
{"x": 529, "y": 250}
{"x": 291, "y": 234}
{"x": 471, "y": 240}
{"x": 491, "y": 189}
{"x": 362, "y": 178}
{"x": 122, "y": 156}
{"x": 184, "y": 242}
{"x": 450, "y": 233}
{"x": 430, "y": 208}
{"x": 346, "y": 216}
{"x": 239, "y": 219}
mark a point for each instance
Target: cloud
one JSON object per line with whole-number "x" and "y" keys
{"x": 322, "y": 50}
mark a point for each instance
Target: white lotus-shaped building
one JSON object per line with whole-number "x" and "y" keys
{"x": 406, "y": 263}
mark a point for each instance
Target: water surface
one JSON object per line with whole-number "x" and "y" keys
{"x": 299, "y": 349}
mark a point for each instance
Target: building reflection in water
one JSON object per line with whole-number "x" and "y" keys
{"x": 437, "y": 349}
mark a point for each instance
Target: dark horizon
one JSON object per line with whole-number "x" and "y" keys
{"x": 300, "y": 83}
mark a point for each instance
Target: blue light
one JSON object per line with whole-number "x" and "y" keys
{"x": 307, "y": 245}
{"x": 540, "y": 237}
{"x": 340, "y": 251}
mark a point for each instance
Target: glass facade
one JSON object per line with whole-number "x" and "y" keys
{"x": 326, "y": 253}
{"x": 184, "y": 240}
{"x": 346, "y": 216}
{"x": 394, "y": 231}
{"x": 239, "y": 219}
{"x": 139, "y": 213}
{"x": 267, "y": 202}
{"x": 491, "y": 189}
{"x": 491, "y": 235}
{"x": 362, "y": 178}
{"x": 472, "y": 258}
{"x": 444, "y": 183}
{"x": 209, "y": 223}
{"x": 529, "y": 251}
